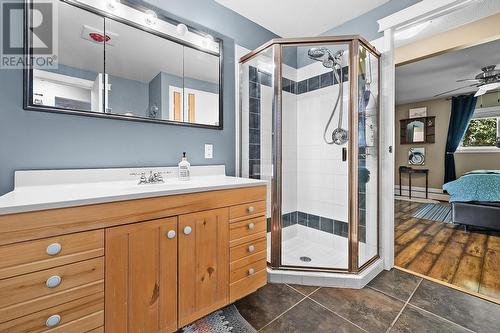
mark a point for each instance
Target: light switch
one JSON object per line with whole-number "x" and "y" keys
{"x": 209, "y": 150}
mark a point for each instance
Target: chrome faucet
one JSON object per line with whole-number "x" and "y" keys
{"x": 154, "y": 177}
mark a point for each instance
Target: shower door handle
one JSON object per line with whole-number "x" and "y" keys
{"x": 344, "y": 154}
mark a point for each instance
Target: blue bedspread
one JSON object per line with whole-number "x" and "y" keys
{"x": 480, "y": 185}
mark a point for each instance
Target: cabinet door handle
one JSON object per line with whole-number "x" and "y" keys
{"x": 251, "y": 248}
{"x": 171, "y": 234}
{"x": 187, "y": 230}
{"x": 251, "y": 209}
{"x": 251, "y": 226}
{"x": 251, "y": 271}
{"x": 53, "y": 281}
{"x": 53, "y": 249}
{"x": 53, "y": 321}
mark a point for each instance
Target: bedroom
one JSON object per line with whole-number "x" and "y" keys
{"x": 447, "y": 162}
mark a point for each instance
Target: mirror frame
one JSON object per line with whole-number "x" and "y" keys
{"x": 28, "y": 71}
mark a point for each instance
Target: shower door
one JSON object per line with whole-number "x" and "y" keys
{"x": 315, "y": 168}
{"x": 309, "y": 127}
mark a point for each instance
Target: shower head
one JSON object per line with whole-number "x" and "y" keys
{"x": 317, "y": 52}
{"x": 324, "y": 55}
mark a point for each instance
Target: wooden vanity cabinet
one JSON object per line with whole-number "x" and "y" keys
{"x": 203, "y": 264}
{"x": 139, "y": 266}
{"x": 141, "y": 277}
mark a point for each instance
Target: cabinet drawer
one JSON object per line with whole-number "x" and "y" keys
{"x": 67, "y": 313}
{"x": 246, "y": 228}
{"x": 27, "y": 257}
{"x": 247, "y": 249}
{"x": 248, "y": 209}
{"x": 49, "y": 301}
{"x": 248, "y": 270}
{"x": 247, "y": 285}
{"x": 29, "y": 286}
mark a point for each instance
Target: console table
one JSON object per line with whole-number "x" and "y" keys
{"x": 410, "y": 171}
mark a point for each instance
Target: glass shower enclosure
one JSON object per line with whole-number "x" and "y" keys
{"x": 309, "y": 115}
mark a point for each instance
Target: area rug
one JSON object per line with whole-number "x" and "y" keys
{"x": 434, "y": 212}
{"x": 226, "y": 320}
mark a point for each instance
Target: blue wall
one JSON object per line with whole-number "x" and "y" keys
{"x": 38, "y": 140}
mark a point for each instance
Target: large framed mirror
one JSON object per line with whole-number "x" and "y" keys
{"x": 125, "y": 62}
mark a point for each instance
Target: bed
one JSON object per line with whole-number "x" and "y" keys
{"x": 475, "y": 199}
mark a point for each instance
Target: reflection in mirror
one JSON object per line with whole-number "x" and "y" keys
{"x": 106, "y": 67}
{"x": 77, "y": 82}
{"x": 139, "y": 68}
{"x": 415, "y": 131}
{"x": 201, "y": 88}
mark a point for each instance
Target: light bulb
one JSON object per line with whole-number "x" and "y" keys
{"x": 112, "y": 4}
{"x": 150, "y": 17}
{"x": 181, "y": 29}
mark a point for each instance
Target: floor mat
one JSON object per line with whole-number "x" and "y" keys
{"x": 226, "y": 320}
{"x": 434, "y": 212}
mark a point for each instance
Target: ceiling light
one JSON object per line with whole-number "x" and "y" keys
{"x": 150, "y": 17}
{"x": 112, "y": 4}
{"x": 412, "y": 31}
{"x": 487, "y": 87}
{"x": 181, "y": 29}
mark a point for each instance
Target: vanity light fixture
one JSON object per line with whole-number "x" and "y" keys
{"x": 207, "y": 41}
{"x": 112, "y": 4}
{"x": 150, "y": 17}
{"x": 181, "y": 29}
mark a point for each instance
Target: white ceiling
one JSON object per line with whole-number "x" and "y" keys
{"x": 133, "y": 54}
{"x": 420, "y": 81}
{"x": 300, "y": 18}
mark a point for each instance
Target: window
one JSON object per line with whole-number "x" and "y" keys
{"x": 483, "y": 131}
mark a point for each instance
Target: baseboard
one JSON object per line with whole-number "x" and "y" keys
{"x": 419, "y": 192}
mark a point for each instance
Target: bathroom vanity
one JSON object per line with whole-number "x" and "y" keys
{"x": 114, "y": 256}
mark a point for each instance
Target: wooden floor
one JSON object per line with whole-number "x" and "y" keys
{"x": 468, "y": 260}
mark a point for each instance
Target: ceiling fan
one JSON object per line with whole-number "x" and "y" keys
{"x": 485, "y": 81}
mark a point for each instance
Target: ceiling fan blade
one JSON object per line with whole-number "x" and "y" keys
{"x": 480, "y": 92}
{"x": 465, "y": 80}
{"x": 449, "y": 91}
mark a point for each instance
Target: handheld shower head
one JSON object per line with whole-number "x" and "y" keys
{"x": 316, "y": 52}
{"x": 324, "y": 55}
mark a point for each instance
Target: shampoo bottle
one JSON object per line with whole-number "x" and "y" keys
{"x": 184, "y": 168}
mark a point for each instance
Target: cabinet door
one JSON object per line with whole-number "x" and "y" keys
{"x": 141, "y": 277}
{"x": 203, "y": 263}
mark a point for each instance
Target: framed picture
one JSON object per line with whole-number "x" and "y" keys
{"x": 416, "y": 156}
{"x": 417, "y": 113}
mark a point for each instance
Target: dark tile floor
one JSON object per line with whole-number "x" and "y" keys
{"x": 394, "y": 301}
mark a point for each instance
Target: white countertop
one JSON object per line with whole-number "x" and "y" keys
{"x": 49, "y": 189}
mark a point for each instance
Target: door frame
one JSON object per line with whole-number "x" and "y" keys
{"x": 416, "y": 14}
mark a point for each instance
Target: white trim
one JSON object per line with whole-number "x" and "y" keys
{"x": 489, "y": 112}
{"x": 387, "y": 139}
{"x": 420, "y": 12}
{"x": 63, "y": 79}
{"x": 476, "y": 150}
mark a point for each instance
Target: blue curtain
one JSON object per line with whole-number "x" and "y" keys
{"x": 462, "y": 109}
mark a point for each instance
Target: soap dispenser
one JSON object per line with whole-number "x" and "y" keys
{"x": 184, "y": 168}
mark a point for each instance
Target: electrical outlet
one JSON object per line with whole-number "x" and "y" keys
{"x": 209, "y": 150}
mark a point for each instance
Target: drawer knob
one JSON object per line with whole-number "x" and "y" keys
{"x": 251, "y": 248}
{"x": 53, "y": 281}
{"x": 54, "y": 249}
{"x": 171, "y": 234}
{"x": 251, "y": 209}
{"x": 53, "y": 321}
{"x": 187, "y": 230}
{"x": 251, "y": 226}
{"x": 251, "y": 271}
